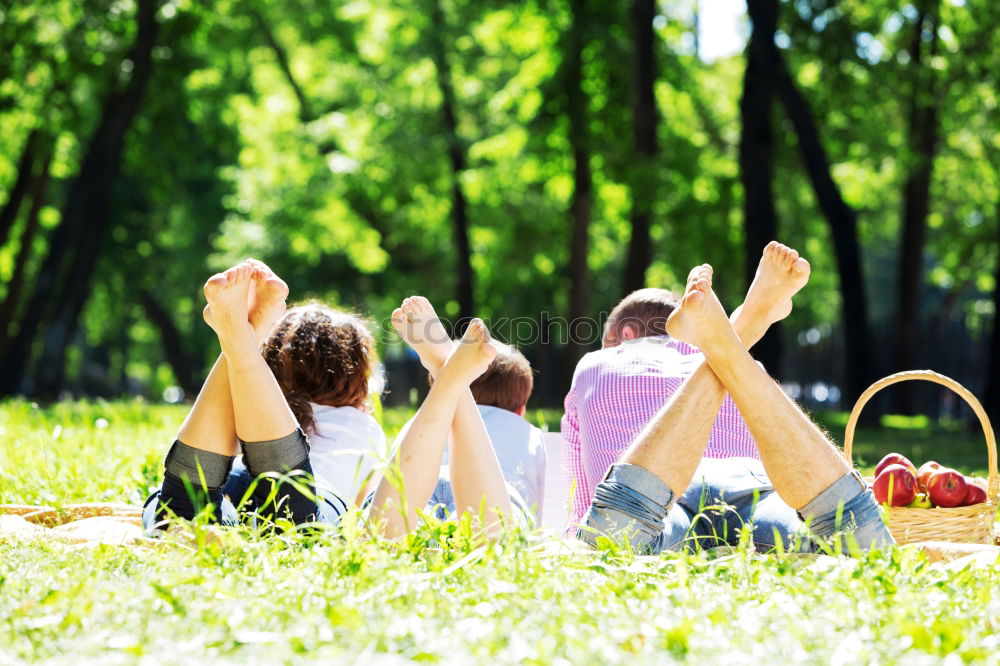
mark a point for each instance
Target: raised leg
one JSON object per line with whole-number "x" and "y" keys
{"x": 474, "y": 470}
{"x": 807, "y": 471}
{"x": 270, "y": 435}
{"x": 260, "y": 410}
{"x": 422, "y": 445}
{"x": 200, "y": 458}
{"x": 672, "y": 444}
{"x": 209, "y": 426}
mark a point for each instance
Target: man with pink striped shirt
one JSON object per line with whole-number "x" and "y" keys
{"x": 684, "y": 469}
{"x": 616, "y": 391}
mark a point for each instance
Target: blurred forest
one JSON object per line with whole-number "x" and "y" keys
{"x": 534, "y": 159}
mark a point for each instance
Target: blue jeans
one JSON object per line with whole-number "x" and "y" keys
{"x": 633, "y": 504}
{"x": 194, "y": 479}
{"x": 238, "y": 484}
{"x": 442, "y": 502}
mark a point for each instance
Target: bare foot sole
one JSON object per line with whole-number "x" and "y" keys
{"x": 226, "y": 312}
{"x": 781, "y": 273}
{"x": 699, "y": 319}
{"x": 267, "y": 296}
{"x": 471, "y": 356}
{"x": 417, "y": 323}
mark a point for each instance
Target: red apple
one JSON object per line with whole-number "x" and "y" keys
{"x": 974, "y": 493}
{"x": 977, "y": 480}
{"x": 924, "y": 473}
{"x": 895, "y": 459}
{"x": 895, "y": 485}
{"x": 947, "y": 487}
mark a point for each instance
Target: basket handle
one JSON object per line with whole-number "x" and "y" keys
{"x": 937, "y": 378}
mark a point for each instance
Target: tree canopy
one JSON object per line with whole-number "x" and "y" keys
{"x": 531, "y": 161}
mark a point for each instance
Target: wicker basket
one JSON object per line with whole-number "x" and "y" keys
{"x": 967, "y": 524}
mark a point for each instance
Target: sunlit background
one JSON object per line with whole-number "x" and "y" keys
{"x": 512, "y": 160}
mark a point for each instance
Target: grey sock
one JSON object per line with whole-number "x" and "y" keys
{"x": 183, "y": 462}
{"x": 276, "y": 455}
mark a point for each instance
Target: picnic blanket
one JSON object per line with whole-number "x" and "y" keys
{"x": 121, "y": 525}
{"x": 99, "y": 522}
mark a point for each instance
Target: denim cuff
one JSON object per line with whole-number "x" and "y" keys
{"x": 845, "y": 506}
{"x": 636, "y": 492}
{"x": 276, "y": 455}
{"x": 183, "y": 462}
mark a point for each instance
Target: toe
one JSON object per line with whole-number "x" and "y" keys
{"x": 216, "y": 281}
{"x": 693, "y": 298}
{"x": 476, "y": 329}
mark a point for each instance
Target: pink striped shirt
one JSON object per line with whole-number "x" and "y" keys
{"x": 615, "y": 392}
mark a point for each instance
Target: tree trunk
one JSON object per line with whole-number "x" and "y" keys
{"x": 71, "y": 257}
{"x": 757, "y": 157}
{"x": 15, "y": 287}
{"x": 644, "y": 121}
{"x": 185, "y": 371}
{"x": 63, "y": 323}
{"x": 992, "y": 393}
{"x": 843, "y": 229}
{"x": 580, "y": 204}
{"x": 923, "y": 133}
{"x": 281, "y": 56}
{"x": 25, "y": 173}
{"x": 456, "y": 156}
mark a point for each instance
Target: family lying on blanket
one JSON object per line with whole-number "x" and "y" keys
{"x": 675, "y": 436}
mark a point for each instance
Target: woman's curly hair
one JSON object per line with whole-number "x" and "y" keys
{"x": 320, "y": 355}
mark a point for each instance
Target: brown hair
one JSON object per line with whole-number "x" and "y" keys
{"x": 507, "y": 383}
{"x": 320, "y": 355}
{"x": 645, "y": 310}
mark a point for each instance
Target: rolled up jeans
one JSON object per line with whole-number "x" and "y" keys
{"x": 194, "y": 479}
{"x": 634, "y": 505}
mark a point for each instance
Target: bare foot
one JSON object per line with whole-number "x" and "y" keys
{"x": 470, "y": 357}
{"x": 226, "y": 312}
{"x": 417, "y": 323}
{"x": 266, "y": 301}
{"x": 699, "y": 320}
{"x": 781, "y": 273}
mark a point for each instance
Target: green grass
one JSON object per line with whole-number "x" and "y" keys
{"x": 244, "y": 598}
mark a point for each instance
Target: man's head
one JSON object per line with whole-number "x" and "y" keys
{"x": 640, "y": 314}
{"x": 507, "y": 383}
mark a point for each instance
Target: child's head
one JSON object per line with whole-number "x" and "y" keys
{"x": 320, "y": 355}
{"x": 507, "y": 383}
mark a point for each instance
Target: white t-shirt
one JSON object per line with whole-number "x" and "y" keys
{"x": 344, "y": 449}
{"x": 520, "y": 450}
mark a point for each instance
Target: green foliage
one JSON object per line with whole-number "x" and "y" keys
{"x": 311, "y": 135}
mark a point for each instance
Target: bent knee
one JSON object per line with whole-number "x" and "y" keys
{"x": 629, "y": 506}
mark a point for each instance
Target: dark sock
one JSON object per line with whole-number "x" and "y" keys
{"x": 287, "y": 456}
{"x": 183, "y": 493}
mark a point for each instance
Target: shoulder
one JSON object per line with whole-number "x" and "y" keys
{"x": 334, "y": 422}
{"x": 501, "y": 422}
